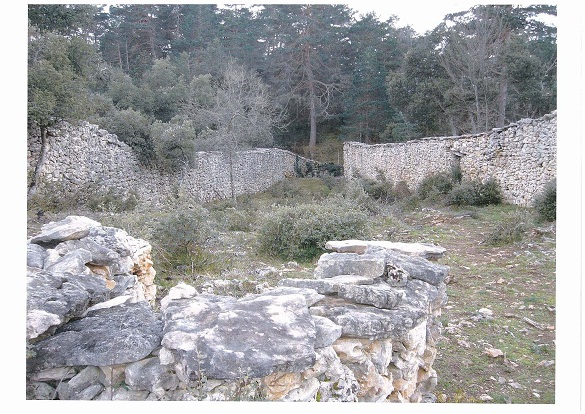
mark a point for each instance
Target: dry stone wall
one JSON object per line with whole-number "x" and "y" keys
{"x": 520, "y": 157}
{"x": 82, "y": 159}
{"x": 363, "y": 329}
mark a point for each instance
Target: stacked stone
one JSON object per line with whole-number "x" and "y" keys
{"x": 362, "y": 330}
{"x": 386, "y": 297}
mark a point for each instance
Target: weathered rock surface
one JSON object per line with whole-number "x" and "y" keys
{"x": 220, "y": 337}
{"x": 70, "y": 228}
{"x": 118, "y": 335}
{"x": 423, "y": 250}
{"x": 336, "y": 264}
{"x": 329, "y": 285}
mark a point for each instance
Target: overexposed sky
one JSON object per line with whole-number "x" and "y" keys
{"x": 420, "y": 15}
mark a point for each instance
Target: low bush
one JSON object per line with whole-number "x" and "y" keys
{"x": 475, "y": 193}
{"x": 112, "y": 201}
{"x": 180, "y": 237}
{"x": 300, "y": 232}
{"x": 510, "y": 230}
{"x": 434, "y": 186}
{"x": 545, "y": 203}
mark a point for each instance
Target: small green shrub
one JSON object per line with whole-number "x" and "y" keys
{"x": 435, "y": 185}
{"x": 510, "y": 230}
{"x": 402, "y": 191}
{"x": 545, "y": 203}
{"x": 180, "y": 237}
{"x": 475, "y": 193}
{"x": 380, "y": 190}
{"x": 112, "y": 200}
{"x": 300, "y": 232}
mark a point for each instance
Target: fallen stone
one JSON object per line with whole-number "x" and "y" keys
{"x": 35, "y": 255}
{"x": 83, "y": 386}
{"x": 54, "y": 298}
{"x": 73, "y": 262}
{"x": 417, "y": 268}
{"x": 423, "y": 250}
{"x": 360, "y": 321}
{"x": 100, "y": 255}
{"x": 148, "y": 374}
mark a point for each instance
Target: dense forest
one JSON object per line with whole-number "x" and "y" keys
{"x": 173, "y": 79}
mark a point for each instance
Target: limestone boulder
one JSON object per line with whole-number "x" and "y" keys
{"x": 70, "y": 228}
{"x": 329, "y": 285}
{"x": 336, "y": 264}
{"x": 223, "y": 338}
{"x": 118, "y": 335}
{"x": 54, "y": 298}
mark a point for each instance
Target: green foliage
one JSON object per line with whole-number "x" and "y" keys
{"x": 380, "y": 189}
{"x": 174, "y": 142}
{"x": 545, "y": 203}
{"x": 511, "y": 229}
{"x": 434, "y": 185}
{"x": 180, "y": 239}
{"x": 112, "y": 200}
{"x": 300, "y": 232}
{"x": 133, "y": 128}
{"x": 475, "y": 193}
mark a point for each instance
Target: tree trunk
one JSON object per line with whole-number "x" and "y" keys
{"x": 312, "y": 106}
{"x": 32, "y": 189}
{"x": 502, "y": 102}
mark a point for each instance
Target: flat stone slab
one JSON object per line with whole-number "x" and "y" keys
{"x": 327, "y": 286}
{"x": 336, "y": 264}
{"x": 70, "y": 228}
{"x": 424, "y": 250}
{"x": 361, "y": 321}
{"x": 223, "y": 338}
{"x": 380, "y": 295}
{"x": 416, "y": 268}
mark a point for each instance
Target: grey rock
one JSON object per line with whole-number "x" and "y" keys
{"x": 117, "y": 240}
{"x": 335, "y": 264}
{"x": 327, "y": 286}
{"x": 54, "y": 374}
{"x": 100, "y": 255}
{"x": 422, "y": 295}
{"x": 423, "y": 250}
{"x": 347, "y": 246}
{"x": 418, "y": 268}
{"x": 221, "y": 338}
{"x": 57, "y": 297}
{"x": 148, "y": 374}
{"x": 360, "y": 321}
{"x": 83, "y": 386}
{"x": 40, "y": 391}
{"x": 117, "y": 335}
{"x": 311, "y": 296}
{"x": 35, "y": 255}
{"x": 327, "y": 332}
{"x": 73, "y": 262}
{"x": 381, "y": 295}
{"x": 305, "y": 393}
{"x": 70, "y": 228}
